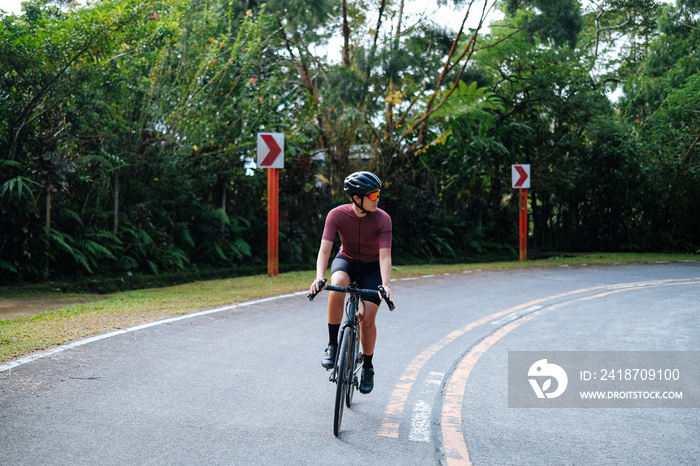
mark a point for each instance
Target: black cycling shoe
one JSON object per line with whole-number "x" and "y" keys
{"x": 367, "y": 382}
{"x": 328, "y": 360}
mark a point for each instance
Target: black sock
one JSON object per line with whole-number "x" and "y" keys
{"x": 367, "y": 361}
{"x": 333, "y": 330}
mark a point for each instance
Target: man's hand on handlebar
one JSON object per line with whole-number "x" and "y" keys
{"x": 321, "y": 283}
{"x": 317, "y": 286}
{"x": 387, "y": 293}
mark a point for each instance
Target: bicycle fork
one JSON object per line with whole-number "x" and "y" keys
{"x": 359, "y": 357}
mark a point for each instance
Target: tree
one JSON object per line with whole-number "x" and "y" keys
{"x": 49, "y": 55}
{"x": 660, "y": 102}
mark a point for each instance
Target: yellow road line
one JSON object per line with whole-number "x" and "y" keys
{"x": 394, "y": 410}
{"x": 454, "y": 444}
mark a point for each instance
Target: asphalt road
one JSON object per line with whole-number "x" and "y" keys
{"x": 245, "y": 385}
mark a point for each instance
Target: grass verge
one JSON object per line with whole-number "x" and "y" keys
{"x": 28, "y": 334}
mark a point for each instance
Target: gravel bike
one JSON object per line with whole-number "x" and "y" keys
{"x": 348, "y": 359}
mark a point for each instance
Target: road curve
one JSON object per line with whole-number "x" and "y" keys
{"x": 243, "y": 385}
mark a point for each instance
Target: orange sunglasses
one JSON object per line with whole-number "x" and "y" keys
{"x": 373, "y": 196}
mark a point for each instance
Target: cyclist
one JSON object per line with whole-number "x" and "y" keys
{"x": 364, "y": 257}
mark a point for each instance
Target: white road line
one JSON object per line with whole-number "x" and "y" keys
{"x": 85, "y": 341}
{"x": 420, "y": 418}
{"x": 515, "y": 315}
{"x": 420, "y": 422}
{"x": 635, "y": 285}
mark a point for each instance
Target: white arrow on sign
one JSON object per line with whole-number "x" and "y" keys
{"x": 521, "y": 176}
{"x": 271, "y": 150}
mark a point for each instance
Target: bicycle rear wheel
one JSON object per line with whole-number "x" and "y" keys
{"x": 342, "y": 379}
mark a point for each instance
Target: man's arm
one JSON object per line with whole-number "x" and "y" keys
{"x": 385, "y": 269}
{"x": 324, "y": 253}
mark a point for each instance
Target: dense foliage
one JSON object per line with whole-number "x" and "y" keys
{"x": 128, "y": 128}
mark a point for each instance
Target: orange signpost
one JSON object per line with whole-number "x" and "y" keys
{"x": 271, "y": 156}
{"x": 521, "y": 181}
{"x": 523, "y": 224}
{"x": 273, "y": 183}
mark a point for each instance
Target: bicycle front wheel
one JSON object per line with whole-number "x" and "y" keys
{"x": 354, "y": 356}
{"x": 342, "y": 379}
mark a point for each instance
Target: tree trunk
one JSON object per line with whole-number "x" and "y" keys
{"x": 48, "y": 227}
{"x": 223, "y": 195}
{"x": 346, "y": 34}
{"x": 116, "y": 202}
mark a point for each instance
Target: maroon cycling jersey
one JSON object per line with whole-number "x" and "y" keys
{"x": 361, "y": 237}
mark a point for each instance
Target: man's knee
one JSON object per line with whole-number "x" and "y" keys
{"x": 369, "y": 315}
{"x": 340, "y": 278}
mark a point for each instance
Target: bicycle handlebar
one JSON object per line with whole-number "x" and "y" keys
{"x": 343, "y": 289}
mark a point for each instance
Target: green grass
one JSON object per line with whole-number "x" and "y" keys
{"x": 28, "y": 334}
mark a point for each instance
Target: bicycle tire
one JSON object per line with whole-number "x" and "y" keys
{"x": 342, "y": 380}
{"x": 352, "y": 356}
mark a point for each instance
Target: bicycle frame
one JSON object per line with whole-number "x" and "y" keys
{"x": 351, "y": 324}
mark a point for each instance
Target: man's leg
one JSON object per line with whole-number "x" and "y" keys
{"x": 335, "y": 317}
{"x": 368, "y": 337}
{"x": 336, "y": 299}
{"x": 368, "y": 328}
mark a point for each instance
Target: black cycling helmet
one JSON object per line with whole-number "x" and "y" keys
{"x": 361, "y": 183}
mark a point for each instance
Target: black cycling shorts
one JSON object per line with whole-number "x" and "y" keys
{"x": 367, "y": 275}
